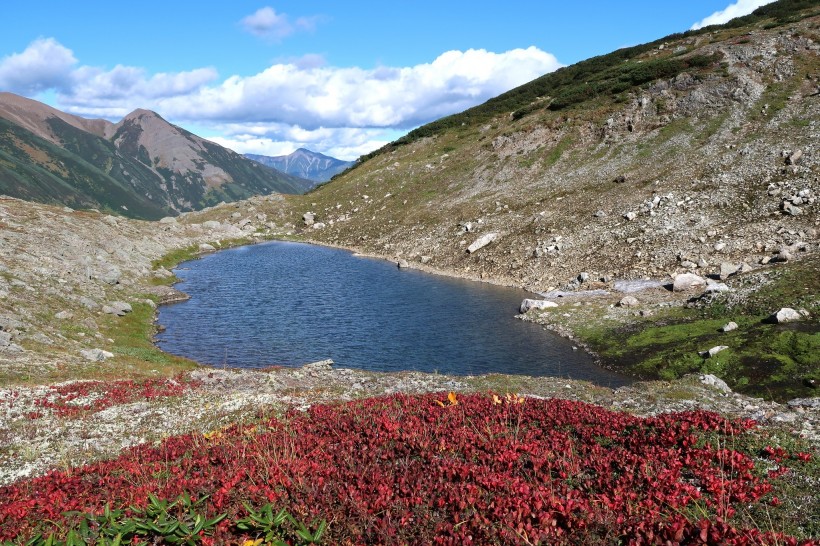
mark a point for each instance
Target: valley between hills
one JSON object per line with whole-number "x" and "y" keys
{"x": 662, "y": 202}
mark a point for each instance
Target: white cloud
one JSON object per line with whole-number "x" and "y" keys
{"x": 44, "y": 64}
{"x": 266, "y": 23}
{"x": 738, "y": 9}
{"x": 302, "y": 102}
{"x": 402, "y": 97}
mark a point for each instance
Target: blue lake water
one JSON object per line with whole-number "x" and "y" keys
{"x": 283, "y": 303}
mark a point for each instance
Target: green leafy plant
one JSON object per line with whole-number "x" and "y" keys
{"x": 273, "y": 528}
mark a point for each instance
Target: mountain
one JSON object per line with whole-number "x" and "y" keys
{"x": 305, "y": 164}
{"x": 142, "y": 166}
{"x": 697, "y": 153}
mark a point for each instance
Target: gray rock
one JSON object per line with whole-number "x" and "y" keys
{"x": 630, "y": 216}
{"x": 713, "y": 287}
{"x": 687, "y": 281}
{"x": 786, "y": 314}
{"x": 318, "y": 225}
{"x": 729, "y": 326}
{"x": 425, "y": 259}
{"x": 715, "y": 382}
{"x": 528, "y": 304}
{"x": 727, "y": 269}
{"x": 111, "y": 275}
{"x": 583, "y": 277}
{"x": 628, "y": 301}
{"x": 481, "y": 242}
{"x": 236, "y": 215}
{"x": 794, "y": 157}
{"x": 790, "y": 209}
{"x": 308, "y": 218}
{"x": 168, "y": 220}
{"x": 320, "y": 366}
{"x": 96, "y": 355}
{"x": 62, "y": 315}
{"x": 402, "y": 264}
{"x": 211, "y": 224}
{"x": 804, "y": 403}
{"x": 205, "y": 247}
{"x": 5, "y": 339}
{"x": 119, "y": 308}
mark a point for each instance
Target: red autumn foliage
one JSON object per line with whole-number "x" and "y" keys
{"x": 73, "y": 399}
{"x": 404, "y": 470}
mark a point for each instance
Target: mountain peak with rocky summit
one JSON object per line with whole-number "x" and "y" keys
{"x": 142, "y": 166}
{"x": 305, "y": 164}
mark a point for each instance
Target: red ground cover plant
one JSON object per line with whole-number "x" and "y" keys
{"x": 82, "y": 397}
{"x": 433, "y": 469}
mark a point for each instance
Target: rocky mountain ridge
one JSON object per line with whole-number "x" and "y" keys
{"x": 141, "y": 166}
{"x": 305, "y": 164}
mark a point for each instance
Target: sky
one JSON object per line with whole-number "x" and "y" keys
{"x": 339, "y": 78}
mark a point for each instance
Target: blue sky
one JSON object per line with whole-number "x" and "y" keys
{"x": 340, "y": 78}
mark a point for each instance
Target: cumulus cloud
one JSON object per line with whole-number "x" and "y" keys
{"x": 400, "y": 97}
{"x": 266, "y": 23}
{"x": 44, "y": 64}
{"x": 738, "y": 9}
{"x": 342, "y": 111}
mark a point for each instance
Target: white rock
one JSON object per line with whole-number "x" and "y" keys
{"x": 481, "y": 242}
{"x": 687, "y": 281}
{"x": 96, "y": 355}
{"x": 528, "y": 304}
{"x": 205, "y": 247}
{"x": 786, "y": 314}
{"x": 715, "y": 382}
{"x": 728, "y": 327}
{"x": 713, "y": 351}
{"x": 628, "y": 301}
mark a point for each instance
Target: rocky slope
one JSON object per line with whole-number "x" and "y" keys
{"x": 305, "y": 164}
{"x": 142, "y": 167}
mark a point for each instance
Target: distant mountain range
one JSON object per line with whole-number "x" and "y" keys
{"x": 142, "y": 167}
{"x": 305, "y": 164}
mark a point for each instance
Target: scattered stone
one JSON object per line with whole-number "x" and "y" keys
{"x": 481, "y": 242}
{"x": 62, "y": 315}
{"x": 786, "y": 314}
{"x": 804, "y": 403}
{"x": 205, "y": 247}
{"x": 719, "y": 246}
{"x": 687, "y": 281}
{"x": 728, "y": 269}
{"x": 713, "y": 351}
{"x": 111, "y": 275}
{"x": 716, "y": 382}
{"x": 320, "y": 366}
{"x": 119, "y": 308}
{"x": 629, "y": 301}
{"x": 794, "y": 157}
{"x": 790, "y": 209}
{"x": 308, "y": 218}
{"x": 600, "y": 214}
{"x": 729, "y": 326}
{"x": 96, "y": 355}
{"x": 528, "y": 304}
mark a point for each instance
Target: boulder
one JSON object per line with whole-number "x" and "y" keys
{"x": 630, "y": 216}
{"x": 528, "y": 304}
{"x": 687, "y": 281}
{"x": 62, "y": 315}
{"x": 481, "y": 242}
{"x": 713, "y": 351}
{"x": 402, "y": 264}
{"x": 205, "y": 247}
{"x": 790, "y": 209}
{"x": 628, "y": 301}
{"x": 96, "y": 355}
{"x": 111, "y": 275}
{"x": 320, "y": 366}
{"x": 168, "y": 220}
{"x": 794, "y": 157}
{"x": 727, "y": 269}
{"x": 729, "y": 326}
{"x": 308, "y": 218}
{"x": 211, "y": 224}
{"x": 786, "y": 314}
{"x": 119, "y": 308}
{"x": 713, "y": 287}
{"x": 425, "y": 259}
{"x": 716, "y": 382}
